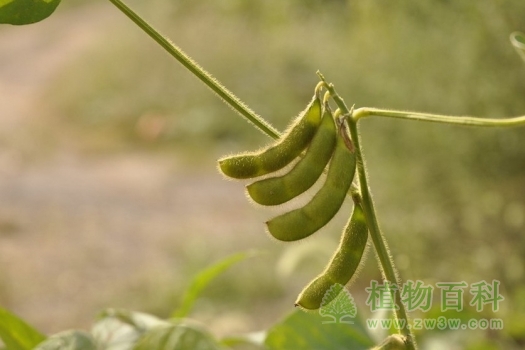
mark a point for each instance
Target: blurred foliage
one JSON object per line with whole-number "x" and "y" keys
{"x": 451, "y": 199}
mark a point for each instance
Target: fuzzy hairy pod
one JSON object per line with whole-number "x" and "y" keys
{"x": 301, "y": 223}
{"x": 278, "y": 190}
{"x": 343, "y": 264}
{"x": 276, "y": 156}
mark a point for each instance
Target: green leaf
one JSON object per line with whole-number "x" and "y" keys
{"x": 256, "y": 340}
{"x": 26, "y": 11}
{"x": 139, "y": 320}
{"x": 306, "y": 330}
{"x": 69, "y": 340}
{"x": 203, "y": 278}
{"x": 16, "y": 334}
{"x": 121, "y": 329}
{"x": 180, "y": 336}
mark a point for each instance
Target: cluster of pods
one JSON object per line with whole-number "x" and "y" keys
{"x": 320, "y": 141}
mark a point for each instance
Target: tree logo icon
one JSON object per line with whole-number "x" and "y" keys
{"x": 338, "y": 305}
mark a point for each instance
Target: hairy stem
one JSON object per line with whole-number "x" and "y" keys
{"x": 228, "y": 97}
{"x": 387, "y": 263}
{"x": 385, "y": 259}
{"x": 437, "y": 118}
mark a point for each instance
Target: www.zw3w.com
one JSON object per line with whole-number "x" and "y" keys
{"x": 441, "y": 323}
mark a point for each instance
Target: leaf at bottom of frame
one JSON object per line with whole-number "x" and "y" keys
{"x": 178, "y": 336}
{"x": 309, "y": 330}
{"x": 69, "y": 340}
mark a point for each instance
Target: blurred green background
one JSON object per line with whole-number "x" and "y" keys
{"x": 110, "y": 194}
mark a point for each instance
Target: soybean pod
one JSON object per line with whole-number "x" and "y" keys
{"x": 301, "y": 223}
{"x": 276, "y": 156}
{"x": 343, "y": 264}
{"x": 277, "y": 190}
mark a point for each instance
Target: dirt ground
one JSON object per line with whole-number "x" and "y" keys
{"x": 80, "y": 233}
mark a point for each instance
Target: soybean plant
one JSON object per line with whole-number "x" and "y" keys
{"x": 321, "y": 141}
{"x": 346, "y": 159}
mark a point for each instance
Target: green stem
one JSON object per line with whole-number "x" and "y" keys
{"x": 380, "y": 243}
{"x": 199, "y": 72}
{"x": 437, "y": 118}
{"x": 385, "y": 259}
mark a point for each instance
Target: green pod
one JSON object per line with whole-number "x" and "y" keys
{"x": 276, "y": 156}
{"x": 277, "y": 190}
{"x": 301, "y": 223}
{"x": 343, "y": 265}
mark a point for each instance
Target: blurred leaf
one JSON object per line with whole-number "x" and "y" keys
{"x": 177, "y": 337}
{"x": 16, "y": 334}
{"x": 139, "y": 320}
{"x": 203, "y": 278}
{"x": 26, "y": 11}
{"x": 256, "y": 339}
{"x": 69, "y": 340}
{"x": 121, "y": 329}
{"x": 305, "y": 330}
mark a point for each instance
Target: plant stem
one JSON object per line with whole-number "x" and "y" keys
{"x": 380, "y": 243}
{"x": 228, "y": 97}
{"x": 385, "y": 259}
{"x": 437, "y": 118}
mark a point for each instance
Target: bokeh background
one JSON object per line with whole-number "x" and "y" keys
{"x": 109, "y": 193}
